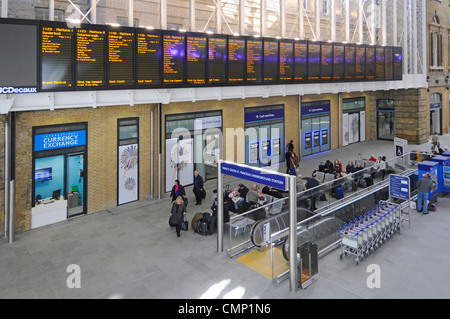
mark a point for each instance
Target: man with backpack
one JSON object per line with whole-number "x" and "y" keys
{"x": 424, "y": 187}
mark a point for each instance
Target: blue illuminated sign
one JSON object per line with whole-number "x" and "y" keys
{"x": 261, "y": 116}
{"x": 255, "y": 175}
{"x": 51, "y": 141}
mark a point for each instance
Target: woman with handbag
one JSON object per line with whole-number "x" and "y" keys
{"x": 177, "y": 214}
{"x": 178, "y": 190}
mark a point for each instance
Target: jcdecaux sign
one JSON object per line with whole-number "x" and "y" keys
{"x": 12, "y": 90}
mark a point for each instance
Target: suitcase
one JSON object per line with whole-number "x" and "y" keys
{"x": 354, "y": 186}
{"x": 339, "y": 192}
{"x": 369, "y": 181}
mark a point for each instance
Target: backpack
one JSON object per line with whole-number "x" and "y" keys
{"x": 202, "y": 228}
{"x": 195, "y": 221}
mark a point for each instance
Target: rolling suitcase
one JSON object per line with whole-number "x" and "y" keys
{"x": 339, "y": 192}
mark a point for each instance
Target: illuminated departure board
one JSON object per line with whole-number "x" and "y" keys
{"x": 148, "y": 64}
{"x": 57, "y": 58}
{"x": 388, "y": 66}
{"x": 196, "y": 59}
{"x": 360, "y": 62}
{"x": 338, "y": 62}
{"x": 173, "y": 57}
{"x": 217, "y": 59}
{"x": 349, "y": 62}
{"x": 370, "y": 63}
{"x": 398, "y": 63}
{"x": 313, "y": 62}
{"x": 121, "y": 58}
{"x": 271, "y": 60}
{"x": 91, "y": 58}
{"x": 326, "y": 62}
{"x": 300, "y": 61}
{"x": 236, "y": 60}
{"x": 379, "y": 66}
{"x": 254, "y": 61}
{"x": 286, "y": 68}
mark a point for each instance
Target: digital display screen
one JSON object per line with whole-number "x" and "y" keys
{"x": 300, "y": 61}
{"x": 217, "y": 59}
{"x": 360, "y": 62}
{"x": 286, "y": 61}
{"x": 324, "y": 137}
{"x": 349, "y": 62}
{"x": 236, "y": 60}
{"x": 91, "y": 58}
{"x": 43, "y": 174}
{"x": 57, "y": 58}
{"x": 196, "y": 59}
{"x": 254, "y": 61}
{"x": 19, "y": 57}
{"x": 338, "y": 62}
{"x": 388, "y": 66}
{"x": 173, "y": 58}
{"x": 271, "y": 60}
{"x": 398, "y": 64}
{"x": 316, "y": 138}
{"x": 379, "y": 68}
{"x": 326, "y": 62}
{"x": 121, "y": 58}
{"x": 370, "y": 63}
{"x": 308, "y": 141}
{"x": 313, "y": 62}
{"x": 148, "y": 63}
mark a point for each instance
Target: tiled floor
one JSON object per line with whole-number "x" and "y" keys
{"x": 130, "y": 252}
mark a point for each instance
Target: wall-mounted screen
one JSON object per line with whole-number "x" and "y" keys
{"x": 196, "y": 56}
{"x": 300, "y": 61}
{"x": 236, "y": 60}
{"x": 91, "y": 49}
{"x": 370, "y": 63}
{"x": 121, "y": 58}
{"x": 326, "y": 62}
{"x": 379, "y": 63}
{"x": 398, "y": 63}
{"x": 286, "y": 61}
{"x": 217, "y": 59}
{"x": 57, "y": 57}
{"x": 148, "y": 58}
{"x": 313, "y": 62}
{"x": 43, "y": 174}
{"x": 271, "y": 60}
{"x": 173, "y": 58}
{"x": 254, "y": 61}
{"x": 360, "y": 62}
{"x": 338, "y": 62}
{"x": 350, "y": 62}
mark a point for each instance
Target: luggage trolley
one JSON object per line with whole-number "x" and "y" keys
{"x": 367, "y": 233}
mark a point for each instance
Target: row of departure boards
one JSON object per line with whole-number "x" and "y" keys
{"x": 105, "y": 57}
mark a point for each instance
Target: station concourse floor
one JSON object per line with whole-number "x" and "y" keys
{"x": 131, "y": 252}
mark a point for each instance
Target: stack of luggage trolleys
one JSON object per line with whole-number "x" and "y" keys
{"x": 368, "y": 232}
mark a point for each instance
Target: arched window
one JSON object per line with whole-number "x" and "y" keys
{"x": 436, "y": 60}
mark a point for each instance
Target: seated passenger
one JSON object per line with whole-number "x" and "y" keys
{"x": 350, "y": 168}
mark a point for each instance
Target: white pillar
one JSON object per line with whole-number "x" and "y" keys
{"x": 93, "y": 13}
{"x": 283, "y": 18}
{"x": 317, "y": 20}
{"x": 383, "y": 23}
{"x": 219, "y": 16}
{"x": 347, "y": 20}
{"x": 51, "y": 10}
{"x": 242, "y": 17}
{"x": 360, "y": 20}
{"x": 163, "y": 14}
{"x": 405, "y": 37}
{"x": 192, "y": 15}
{"x": 394, "y": 23}
{"x": 263, "y": 17}
{"x": 4, "y": 13}
{"x": 301, "y": 15}
{"x": 130, "y": 13}
{"x": 333, "y": 20}
{"x": 414, "y": 34}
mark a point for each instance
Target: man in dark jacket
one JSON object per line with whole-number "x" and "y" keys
{"x": 311, "y": 183}
{"x": 198, "y": 187}
{"x": 424, "y": 187}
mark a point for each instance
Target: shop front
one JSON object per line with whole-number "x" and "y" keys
{"x": 353, "y": 120}
{"x": 59, "y": 173}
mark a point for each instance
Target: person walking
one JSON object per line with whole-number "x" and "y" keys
{"x": 312, "y": 182}
{"x": 178, "y": 190}
{"x": 290, "y": 146}
{"x": 198, "y": 188}
{"x": 177, "y": 214}
{"x": 424, "y": 186}
{"x": 293, "y": 164}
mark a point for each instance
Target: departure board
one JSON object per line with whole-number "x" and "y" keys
{"x": 236, "y": 60}
{"x": 217, "y": 59}
{"x": 398, "y": 63}
{"x": 370, "y": 63}
{"x": 388, "y": 66}
{"x": 300, "y": 61}
{"x": 57, "y": 58}
{"x": 379, "y": 66}
{"x": 196, "y": 59}
{"x": 148, "y": 60}
{"x": 121, "y": 58}
{"x": 349, "y": 62}
{"x": 338, "y": 62}
{"x": 91, "y": 58}
{"x": 254, "y": 61}
{"x": 286, "y": 68}
{"x": 360, "y": 62}
{"x": 271, "y": 61}
{"x": 326, "y": 62}
{"x": 313, "y": 62}
{"x": 173, "y": 57}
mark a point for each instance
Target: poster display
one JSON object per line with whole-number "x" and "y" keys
{"x": 128, "y": 186}
{"x": 179, "y": 162}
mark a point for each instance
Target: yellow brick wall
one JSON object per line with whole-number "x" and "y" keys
{"x": 102, "y": 154}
